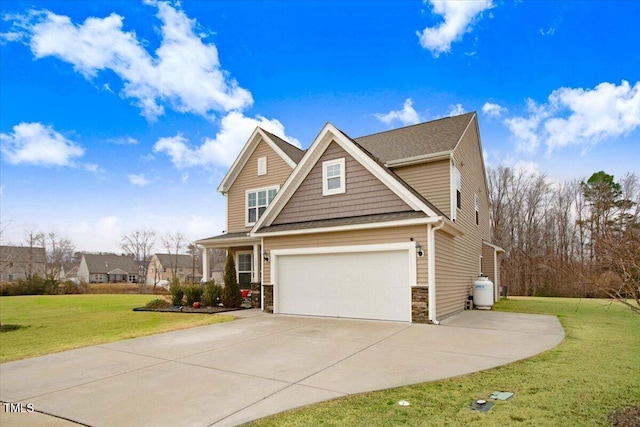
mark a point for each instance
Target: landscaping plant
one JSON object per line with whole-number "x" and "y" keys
{"x": 231, "y": 296}
{"x": 193, "y": 294}
{"x": 212, "y": 293}
{"x": 176, "y": 293}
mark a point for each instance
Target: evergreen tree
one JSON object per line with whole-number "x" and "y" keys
{"x": 231, "y": 296}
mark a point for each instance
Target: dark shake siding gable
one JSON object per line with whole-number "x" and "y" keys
{"x": 365, "y": 194}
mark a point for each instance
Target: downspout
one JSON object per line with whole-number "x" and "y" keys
{"x": 431, "y": 258}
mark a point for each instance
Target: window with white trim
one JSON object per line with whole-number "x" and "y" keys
{"x": 477, "y": 203}
{"x": 245, "y": 269}
{"x": 262, "y": 166}
{"x": 257, "y": 202}
{"x": 333, "y": 177}
{"x": 458, "y": 180}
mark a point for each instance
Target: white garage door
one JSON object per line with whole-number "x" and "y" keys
{"x": 365, "y": 285}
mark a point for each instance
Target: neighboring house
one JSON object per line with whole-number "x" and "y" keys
{"x": 391, "y": 226}
{"x": 166, "y": 266}
{"x": 21, "y": 262}
{"x": 107, "y": 269}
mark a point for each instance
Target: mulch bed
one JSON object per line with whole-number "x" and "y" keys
{"x": 627, "y": 417}
{"x": 185, "y": 309}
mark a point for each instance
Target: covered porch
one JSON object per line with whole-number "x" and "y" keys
{"x": 247, "y": 256}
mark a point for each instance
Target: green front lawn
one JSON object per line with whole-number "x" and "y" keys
{"x": 595, "y": 371}
{"x": 51, "y": 323}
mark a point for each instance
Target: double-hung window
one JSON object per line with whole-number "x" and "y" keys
{"x": 456, "y": 192}
{"x": 333, "y": 177}
{"x": 257, "y": 202}
{"x": 477, "y": 203}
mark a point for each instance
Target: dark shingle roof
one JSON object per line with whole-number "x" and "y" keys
{"x": 185, "y": 261}
{"x": 22, "y": 253}
{"x": 292, "y": 151}
{"x": 417, "y": 140}
{"x": 106, "y": 263}
{"x": 366, "y": 219}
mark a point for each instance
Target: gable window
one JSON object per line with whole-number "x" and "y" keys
{"x": 333, "y": 177}
{"x": 477, "y": 203}
{"x": 262, "y": 166}
{"x": 257, "y": 202}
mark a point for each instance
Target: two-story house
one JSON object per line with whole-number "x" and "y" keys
{"x": 21, "y": 263}
{"x": 390, "y": 226}
{"x": 168, "y": 266}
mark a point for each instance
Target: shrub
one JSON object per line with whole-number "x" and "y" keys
{"x": 212, "y": 293}
{"x": 70, "y": 287}
{"x": 158, "y": 303}
{"x": 33, "y": 286}
{"x": 231, "y": 297}
{"x": 176, "y": 294}
{"x": 193, "y": 294}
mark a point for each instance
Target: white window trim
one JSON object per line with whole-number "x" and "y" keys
{"x": 238, "y": 253}
{"x": 246, "y": 202}
{"x": 262, "y": 166}
{"x": 325, "y": 187}
{"x": 456, "y": 178}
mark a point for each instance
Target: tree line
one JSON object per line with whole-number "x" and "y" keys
{"x": 569, "y": 239}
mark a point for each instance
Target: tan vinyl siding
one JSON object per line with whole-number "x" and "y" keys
{"x": 365, "y": 194}
{"x": 277, "y": 173}
{"x": 457, "y": 259}
{"x": 488, "y": 258}
{"x": 432, "y": 181}
{"x": 349, "y": 238}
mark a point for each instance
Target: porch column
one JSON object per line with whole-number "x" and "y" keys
{"x": 256, "y": 263}
{"x": 205, "y": 264}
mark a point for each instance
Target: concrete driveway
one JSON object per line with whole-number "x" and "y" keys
{"x": 261, "y": 364}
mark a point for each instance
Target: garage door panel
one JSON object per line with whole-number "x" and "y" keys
{"x": 369, "y": 285}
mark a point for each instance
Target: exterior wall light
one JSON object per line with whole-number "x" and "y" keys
{"x": 419, "y": 249}
{"x": 265, "y": 256}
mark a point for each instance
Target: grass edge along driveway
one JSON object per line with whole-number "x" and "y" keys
{"x": 591, "y": 374}
{"x": 53, "y": 323}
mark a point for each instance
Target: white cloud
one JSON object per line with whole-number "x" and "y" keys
{"x": 183, "y": 73}
{"x": 459, "y": 18}
{"x": 185, "y": 177}
{"x": 580, "y": 117}
{"x": 493, "y": 110}
{"x": 124, "y": 140}
{"x": 406, "y": 116}
{"x": 139, "y": 179}
{"x": 37, "y": 144}
{"x": 235, "y": 130}
{"x": 456, "y": 110}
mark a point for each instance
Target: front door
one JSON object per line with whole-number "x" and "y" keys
{"x": 245, "y": 269}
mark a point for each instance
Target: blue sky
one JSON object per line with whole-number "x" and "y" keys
{"x": 118, "y": 116}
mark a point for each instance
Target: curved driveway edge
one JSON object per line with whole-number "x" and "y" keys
{"x": 258, "y": 365}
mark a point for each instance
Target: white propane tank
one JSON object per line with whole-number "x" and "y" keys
{"x": 483, "y": 293}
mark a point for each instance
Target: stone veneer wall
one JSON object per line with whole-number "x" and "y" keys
{"x": 255, "y": 294}
{"x": 420, "y": 304}
{"x": 268, "y": 298}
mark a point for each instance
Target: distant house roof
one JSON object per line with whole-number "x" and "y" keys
{"x": 180, "y": 261}
{"x": 437, "y": 136}
{"x": 103, "y": 264}
{"x": 22, "y": 253}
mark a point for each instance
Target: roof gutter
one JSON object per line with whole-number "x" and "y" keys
{"x": 408, "y": 161}
{"x": 431, "y": 258}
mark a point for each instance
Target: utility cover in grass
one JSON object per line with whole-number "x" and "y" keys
{"x": 481, "y": 405}
{"x": 501, "y": 395}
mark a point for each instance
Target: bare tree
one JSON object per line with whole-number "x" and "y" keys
{"x": 59, "y": 251}
{"x": 174, "y": 243}
{"x": 196, "y": 256}
{"x": 139, "y": 245}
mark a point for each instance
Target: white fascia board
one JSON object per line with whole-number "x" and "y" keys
{"x": 401, "y": 246}
{"x": 426, "y": 158}
{"x": 244, "y": 155}
{"x": 352, "y": 227}
{"x": 465, "y": 131}
{"x": 225, "y": 243}
{"x": 240, "y": 161}
{"x": 294, "y": 180}
{"x": 392, "y": 183}
{"x": 491, "y": 245}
